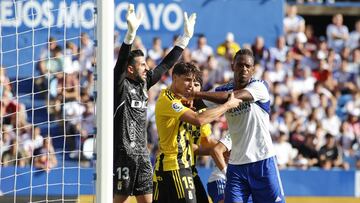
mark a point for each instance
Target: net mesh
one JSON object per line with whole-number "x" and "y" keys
{"x": 47, "y": 100}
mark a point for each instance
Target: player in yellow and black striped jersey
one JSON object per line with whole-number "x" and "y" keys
{"x": 200, "y": 137}
{"x": 173, "y": 175}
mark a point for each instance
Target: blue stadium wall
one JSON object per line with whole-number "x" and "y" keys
{"x": 245, "y": 18}
{"x": 314, "y": 183}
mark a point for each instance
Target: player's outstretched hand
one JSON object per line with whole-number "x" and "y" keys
{"x": 133, "y": 23}
{"x": 232, "y": 101}
{"x": 189, "y": 24}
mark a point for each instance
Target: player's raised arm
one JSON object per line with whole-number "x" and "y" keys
{"x": 220, "y": 97}
{"x": 133, "y": 23}
{"x": 173, "y": 56}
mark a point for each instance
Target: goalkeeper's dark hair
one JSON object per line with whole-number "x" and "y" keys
{"x": 244, "y": 52}
{"x": 185, "y": 68}
{"x": 133, "y": 54}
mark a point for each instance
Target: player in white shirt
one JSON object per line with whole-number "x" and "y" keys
{"x": 217, "y": 179}
{"x": 252, "y": 168}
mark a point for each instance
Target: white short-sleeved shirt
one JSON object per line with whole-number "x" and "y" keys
{"x": 249, "y": 125}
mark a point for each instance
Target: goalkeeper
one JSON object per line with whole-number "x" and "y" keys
{"x": 132, "y": 79}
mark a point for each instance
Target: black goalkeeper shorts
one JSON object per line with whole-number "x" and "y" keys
{"x": 133, "y": 175}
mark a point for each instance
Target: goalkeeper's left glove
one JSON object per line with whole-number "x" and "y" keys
{"x": 133, "y": 23}
{"x": 189, "y": 24}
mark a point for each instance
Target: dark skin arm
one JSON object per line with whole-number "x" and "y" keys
{"x": 221, "y": 97}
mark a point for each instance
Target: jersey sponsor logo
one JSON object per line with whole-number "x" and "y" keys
{"x": 138, "y": 104}
{"x": 241, "y": 109}
{"x": 177, "y": 107}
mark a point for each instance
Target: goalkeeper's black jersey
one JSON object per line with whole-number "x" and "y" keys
{"x": 130, "y": 103}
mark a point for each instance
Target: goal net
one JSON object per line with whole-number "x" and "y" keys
{"x": 47, "y": 126}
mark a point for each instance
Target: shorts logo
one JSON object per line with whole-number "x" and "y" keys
{"x": 177, "y": 107}
{"x": 119, "y": 185}
{"x": 190, "y": 195}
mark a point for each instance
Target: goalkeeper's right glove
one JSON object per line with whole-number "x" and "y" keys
{"x": 189, "y": 24}
{"x": 133, "y": 23}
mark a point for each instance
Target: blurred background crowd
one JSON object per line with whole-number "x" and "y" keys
{"x": 314, "y": 83}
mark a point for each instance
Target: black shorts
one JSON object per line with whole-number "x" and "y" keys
{"x": 132, "y": 175}
{"x": 201, "y": 195}
{"x": 175, "y": 186}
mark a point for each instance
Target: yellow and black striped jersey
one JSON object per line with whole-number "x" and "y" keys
{"x": 174, "y": 143}
{"x": 196, "y": 134}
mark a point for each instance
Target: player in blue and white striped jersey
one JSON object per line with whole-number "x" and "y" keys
{"x": 252, "y": 168}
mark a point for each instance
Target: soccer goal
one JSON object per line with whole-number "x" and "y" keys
{"x": 56, "y": 95}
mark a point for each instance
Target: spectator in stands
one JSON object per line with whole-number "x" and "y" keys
{"x": 284, "y": 151}
{"x": 49, "y": 48}
{"x": 330, "y": 155}
{"x": 312, "y": 41}
{"x": 14, "y": 156}
{"x": 71, "y": 59}
{"x": 34, "y": 143}
{"x": 331, "y": 122}
{"x": 346, "y": 80}
{"x": 280, "y": 50}
{"x": 294, "y": 25}
{"x": 308, "y": 154}
{"x": 138, "y": 45}
{"x": 354, "y": 64}
{"x": 229, "y": 46}
{"x": 156, "y": 52}
{"x": 261, "y": 53}
{"x": 337, "y": 33}
{"x": 201, "y": 53}
{"x": 86, "y": 53}
{"x": 45, "y": 157}
{"x": 354, "y": 38}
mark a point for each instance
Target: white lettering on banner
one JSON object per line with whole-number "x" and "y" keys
{"x": 166, "y": 17}
{"x": 158, "y": 13}
{"x": 155, "y": 13}
{"x": 68, "y": 16}
{"x": 122, "y": 7}
{"x": 32, "y": 13}
{"x": 6, "y": 13}
{"x": 71, "y": 14}
{"x": 49, "y": 18}
{"x": 87, "y": 23}
{"x": 145, "y": 22}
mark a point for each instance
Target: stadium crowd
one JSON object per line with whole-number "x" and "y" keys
{"x": 314, "y": 82}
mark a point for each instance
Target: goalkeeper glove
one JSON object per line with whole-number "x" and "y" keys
{"x": 189, "y": 24}
{"x": 133, "y": 23}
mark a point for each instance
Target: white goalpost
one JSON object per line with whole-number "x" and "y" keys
{"x": 56, "y": 100}
{"x": 105, "y": 81}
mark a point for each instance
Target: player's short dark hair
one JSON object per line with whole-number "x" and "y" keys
{"x": 185, "y": 68}
{"x": 244, "y": 52}
{"x": 133, "y": 54}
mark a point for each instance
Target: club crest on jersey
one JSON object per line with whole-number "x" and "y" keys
{"x": 177, "y": 107}
{"x": 119, "y": 185}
